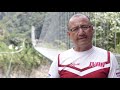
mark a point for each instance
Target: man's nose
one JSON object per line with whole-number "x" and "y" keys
{"x": 80, "y": 31}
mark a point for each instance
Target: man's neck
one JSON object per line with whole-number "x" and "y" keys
{"x": 80, "y": 49}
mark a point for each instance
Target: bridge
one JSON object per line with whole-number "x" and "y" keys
{"x": 51, "y": 54}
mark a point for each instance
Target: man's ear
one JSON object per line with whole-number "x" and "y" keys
{"x": 93, "y": 30}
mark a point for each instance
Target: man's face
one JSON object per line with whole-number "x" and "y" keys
{"x": 81, "y": 31}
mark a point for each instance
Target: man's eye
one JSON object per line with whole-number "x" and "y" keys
{"x": 84, "y": 27}
{"x": 75, "y": 29}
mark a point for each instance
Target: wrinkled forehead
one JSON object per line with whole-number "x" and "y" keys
{"x": 78, "y": 20}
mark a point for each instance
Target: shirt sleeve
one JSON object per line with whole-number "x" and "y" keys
{"x": 114, "y": 67}
{"x": 53, "y": 71}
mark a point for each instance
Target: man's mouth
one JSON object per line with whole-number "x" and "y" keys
{"x": 83, "y": 37}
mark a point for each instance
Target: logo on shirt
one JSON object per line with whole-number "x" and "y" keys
{"x": 74, "y": 64}
{"x": 95, "y": 64}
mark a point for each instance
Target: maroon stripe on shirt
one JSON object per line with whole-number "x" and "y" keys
{"x": 101, "y": 73}
{"x": 108, "y": 54}
{"x": 59, "y": 60}
{"x": 69, "y": 65}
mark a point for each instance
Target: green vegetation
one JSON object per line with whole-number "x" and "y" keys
{"x": 107, "y": 26}
{"x": 25, "y": 60}
{"x": 15, "y": 27}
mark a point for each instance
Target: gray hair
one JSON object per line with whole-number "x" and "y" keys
{"x": 78, "y": 15}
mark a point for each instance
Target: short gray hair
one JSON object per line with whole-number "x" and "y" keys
{"x": 78, "y": 15}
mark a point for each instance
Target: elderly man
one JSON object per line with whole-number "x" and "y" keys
{"x": 84, "y": 60}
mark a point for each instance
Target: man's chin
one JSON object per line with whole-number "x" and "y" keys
{"x": 83, "y": 44}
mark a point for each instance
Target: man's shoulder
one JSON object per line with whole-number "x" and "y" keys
{"x": 100, "y": 49}
{"x": 66, "y": 51}
{"x": 66, "y": 54}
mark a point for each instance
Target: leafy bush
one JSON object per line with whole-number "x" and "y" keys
{"x": 25, "y": 61}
